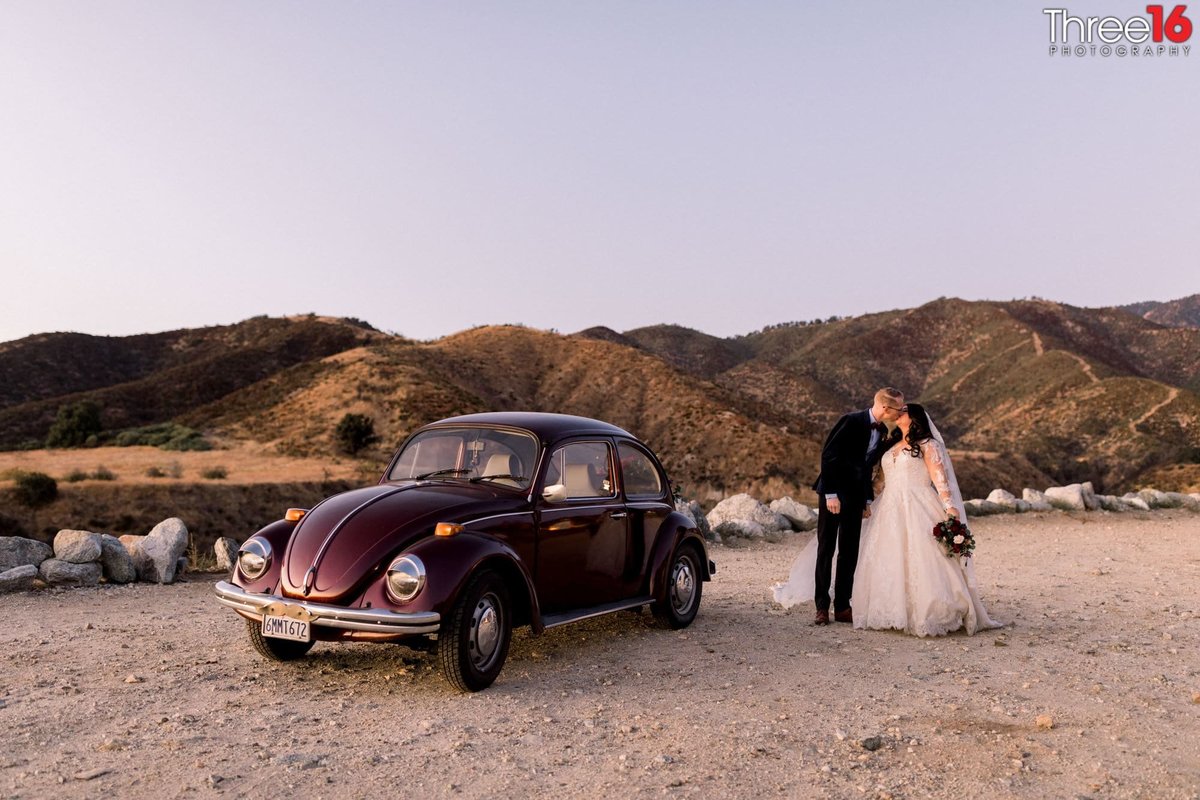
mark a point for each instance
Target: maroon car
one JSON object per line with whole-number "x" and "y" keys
{"x": 481, "y": 523}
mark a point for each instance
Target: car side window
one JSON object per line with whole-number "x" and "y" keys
{"x": 585, "y": 468}
{"x": 638, "y": 473}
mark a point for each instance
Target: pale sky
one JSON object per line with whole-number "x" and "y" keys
{"x": 430, "y": 166}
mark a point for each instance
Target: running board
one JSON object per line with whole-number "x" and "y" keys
{"x": 554, "y": 620}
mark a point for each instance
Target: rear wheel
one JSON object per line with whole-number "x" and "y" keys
{"x": 679, "y": 599}
{"x": 473, "y": 642}
{"x": 275, "y": 649}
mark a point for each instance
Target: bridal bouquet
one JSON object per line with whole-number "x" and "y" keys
{"x": 955, "y": 536}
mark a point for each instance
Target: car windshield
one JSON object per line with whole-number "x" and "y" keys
{"x": 495, "y": 456}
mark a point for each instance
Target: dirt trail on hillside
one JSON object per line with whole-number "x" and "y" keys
{"x": 151, "y": 692}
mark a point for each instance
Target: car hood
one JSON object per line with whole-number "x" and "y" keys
{"x": 345, "y": 539}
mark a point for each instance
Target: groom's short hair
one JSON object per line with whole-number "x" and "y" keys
{"x": 889, "y": 393}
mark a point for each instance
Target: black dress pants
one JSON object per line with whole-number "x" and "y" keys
{"x": 840, "y": 531}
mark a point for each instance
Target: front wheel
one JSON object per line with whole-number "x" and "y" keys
{"x": 473, "y": 642}
{"x": 679, "y": 599}
{"x": 275, "y": 649}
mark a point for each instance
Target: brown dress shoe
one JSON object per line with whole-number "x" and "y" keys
{"x": 844, "y": 616}
{"x": 822, "y": 618}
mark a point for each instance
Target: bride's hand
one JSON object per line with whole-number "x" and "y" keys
{"x": 867, "y": 512}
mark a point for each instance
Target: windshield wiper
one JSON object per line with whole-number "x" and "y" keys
{"x": 436, "y": 472}
{"x": 497, "y": 478}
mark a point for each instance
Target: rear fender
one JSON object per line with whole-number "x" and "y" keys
{"x": 675, "y": 530}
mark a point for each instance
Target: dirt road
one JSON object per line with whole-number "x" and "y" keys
{"x": 148, "y": 691}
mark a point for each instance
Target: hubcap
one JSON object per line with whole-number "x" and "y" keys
{"x": 485, "y": 631}
{"x": 683, "y": 586}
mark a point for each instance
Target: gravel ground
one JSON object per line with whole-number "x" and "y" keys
{"x": 1092, "y": 691}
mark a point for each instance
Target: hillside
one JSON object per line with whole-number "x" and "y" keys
{"x": 1181, "y": 313}
{"x": 1029, "y": 393}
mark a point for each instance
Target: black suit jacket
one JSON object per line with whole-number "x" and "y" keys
{"x": 845, "y": 464}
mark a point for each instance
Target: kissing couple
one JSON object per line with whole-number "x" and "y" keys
{"x": 891, "y": 571}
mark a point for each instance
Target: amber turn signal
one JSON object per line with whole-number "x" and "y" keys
{"x": 294, "y": 514}
{"x": 447, "y": 529}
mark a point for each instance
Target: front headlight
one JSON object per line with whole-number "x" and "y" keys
{"x": 254, "y": 557}
{"x": 405, "y": 578}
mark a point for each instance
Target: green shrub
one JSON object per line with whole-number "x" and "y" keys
{"x": 103, "y": 473}
{"x": 75, "y": 425}
{"x": 354, "y": 433}
{"x": 155, "y": 472}
{"x": 214, "y": 473}
{"x": 35, "y": 489}
{"x": 75, "y": 476}
{"x": 165, "y": 435}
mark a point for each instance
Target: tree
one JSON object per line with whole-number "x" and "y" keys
{"x": 35, "y": 489}
{"x": 75, "y": 425}
{"x": 355, "y": 432}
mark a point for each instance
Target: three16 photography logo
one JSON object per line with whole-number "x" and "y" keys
{"x": 1161, "y": 33}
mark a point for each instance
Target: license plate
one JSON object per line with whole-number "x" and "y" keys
{"x": 287, "y": 622}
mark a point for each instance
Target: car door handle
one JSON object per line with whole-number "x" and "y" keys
{"x": 619, "y": 515}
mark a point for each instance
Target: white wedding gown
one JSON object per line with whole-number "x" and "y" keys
{"x": 904, "y": 579}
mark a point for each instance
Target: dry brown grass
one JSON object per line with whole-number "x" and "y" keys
{"x": 245, "y": 462}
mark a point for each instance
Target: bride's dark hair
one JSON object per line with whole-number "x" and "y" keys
{"x": 918, "y": 429}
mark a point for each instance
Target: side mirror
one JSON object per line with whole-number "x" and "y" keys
{"x": 554, "y": 493}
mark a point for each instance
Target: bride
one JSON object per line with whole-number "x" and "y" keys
{"x": 904, "y": 579}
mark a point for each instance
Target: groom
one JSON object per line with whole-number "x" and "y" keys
{"x": 851, "y": 451}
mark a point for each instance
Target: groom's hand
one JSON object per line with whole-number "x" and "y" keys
{"x": 834, "y": 505}
{"x": 867, "y": 512}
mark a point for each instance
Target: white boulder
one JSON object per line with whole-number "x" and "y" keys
{"x": 78, "y": 547}
{"x": 744, "y": 508}
{"x": 1135, "y": 501}
{"x": 1155, "y": 499}
{"x": 1007, "y": 500}
{"x": 1088, "y": 492}
{"x": 163, "y": 547}
{"x": 226, "y": 550}
{"x": 1067, "y": 498}
{"x": 1037, "y": 500}
{"x": 799, "y": 515}
{"x": 741, "y": 529}
{"x": 983, "y": 508}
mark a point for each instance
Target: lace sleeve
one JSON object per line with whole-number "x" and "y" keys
{"x": 935, "y": 463}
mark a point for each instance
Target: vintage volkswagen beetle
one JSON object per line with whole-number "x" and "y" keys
{"x": 481, "y": 523}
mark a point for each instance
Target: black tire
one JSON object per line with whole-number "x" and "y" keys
{"x": 679, "y": 598}
{"x": 276, "y": 649}
{"x": 473, "y": 642}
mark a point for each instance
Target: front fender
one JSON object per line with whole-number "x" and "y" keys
{"x": 277, "y": 535}
{"x": 675, "y": 530}
{"x": 450, "y": 561}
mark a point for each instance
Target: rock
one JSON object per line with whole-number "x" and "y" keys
{"x": 983, "y": 508}
{"x": 18, "y": 579}
{"x": 691, "y": 509}
{"x": 141, "y": 562}
{"x": 1089, "y": 496}
{"x": 1178, "y": 500}
{"x": 872, "y": 743}
{"x": 115, "y": 561}
{"x": 226, "y": 550}
{"x": 744, "y": 508}
{"x": 78, "y": 547}
{"x": 57, "y": 572}
{"x": 181, "y": 566}
{"x": 801, "y": 516}
{"x": 1068, "y": 498}
{"x": 1037, "y": 501}
{"x": 1110, "y": 502}
{"x": 741, "y": 529}
{"x": 1155, "y": 499}
{"x": 1135, "y": 501}
{"x": 1044, "y": 722}
{"x": 1006, "y": 500}
{"x": 163, "y": 547}
{"x": 17, "y": 551}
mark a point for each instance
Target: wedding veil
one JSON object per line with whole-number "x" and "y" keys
{"x": 955, "y": 494}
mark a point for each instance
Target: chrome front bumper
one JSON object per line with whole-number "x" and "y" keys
{"x": 352, "y": 619}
